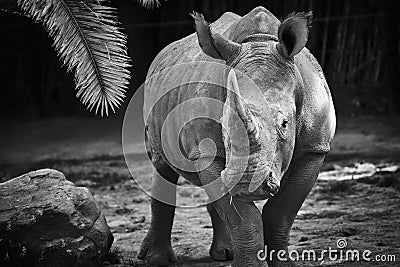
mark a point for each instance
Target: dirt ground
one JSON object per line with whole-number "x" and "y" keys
{"x": 356, "y": 197}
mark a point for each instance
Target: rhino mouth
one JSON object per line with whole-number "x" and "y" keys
{"x": 253, "y": 184}
{"x": 266, "y": 190}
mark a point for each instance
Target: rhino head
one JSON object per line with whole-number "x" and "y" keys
{"x": 261, "y": 92}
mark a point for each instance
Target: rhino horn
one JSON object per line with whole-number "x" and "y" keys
{"x": 233, "y": 97}
{"x": 235, "y": 116}
{"x": 213, "y": 44}
{"x": 234, "y": 134}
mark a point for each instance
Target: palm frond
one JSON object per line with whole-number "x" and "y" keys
{"x": 88, "y": 40}
{"x": 149, "y": 4}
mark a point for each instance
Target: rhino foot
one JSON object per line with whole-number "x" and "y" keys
{"x": 222, "y": 250}
{"x": 153, "y": 254}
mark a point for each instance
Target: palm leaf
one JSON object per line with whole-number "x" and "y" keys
{"x": 88, "y": 40}
{"x": 149, "y": 3}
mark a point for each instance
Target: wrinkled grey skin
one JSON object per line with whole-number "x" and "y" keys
{"x": 293, "y": 125}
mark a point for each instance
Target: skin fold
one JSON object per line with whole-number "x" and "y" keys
{"x": 276, "y": 88}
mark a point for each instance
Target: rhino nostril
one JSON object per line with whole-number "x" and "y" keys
{"x": 272, "y": 177}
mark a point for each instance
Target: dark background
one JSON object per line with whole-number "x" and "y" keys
{"x": 356, "y": 43}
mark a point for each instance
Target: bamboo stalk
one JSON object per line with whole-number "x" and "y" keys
{"x": 325, "y": 37}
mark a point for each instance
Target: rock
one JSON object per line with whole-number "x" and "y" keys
{"x": 46, "y": 220}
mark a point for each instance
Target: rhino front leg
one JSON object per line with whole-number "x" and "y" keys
{"x": 280, "y": 211}
{"x": 242, "y": 219}
{"x": 156, "y": 247}
{"x": 221, "y": 247}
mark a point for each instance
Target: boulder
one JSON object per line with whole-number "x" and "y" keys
{"x": 45, "y": 220}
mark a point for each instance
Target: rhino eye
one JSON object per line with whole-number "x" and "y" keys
{"x": 283, "y": 125}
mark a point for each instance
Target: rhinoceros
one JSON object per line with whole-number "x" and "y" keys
{"x": 276, "y": 90}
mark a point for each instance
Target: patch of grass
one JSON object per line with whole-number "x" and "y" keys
{"x": 101, "y": 179}
{"x": 381, "y": 214}
{"x": 332, "y": 214}
{"x": 358, "y": 218}
{"x": 140, "y": 199}
{"x": 117, "y": 164}
{"x": 95, "y": 172}
{"x": 123, "y": 210}
{"x": 330, "y": 166}
{"x": 307, "y": 216}
{"x": 325, "y": 214}
{"x": 336, "y": 231}
{"x": 339, "y": 187}
{"x": 347, "y": 231}
{"x": 383, "y": 179}
{"x": 389, "y": 181}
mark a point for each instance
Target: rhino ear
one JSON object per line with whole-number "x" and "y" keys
{"x": 293, "y": 33}
{"x": 213, "y": 44}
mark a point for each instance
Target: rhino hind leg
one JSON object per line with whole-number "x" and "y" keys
{"x": 156, "y": 247}
{"x": 222, "y": 247}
